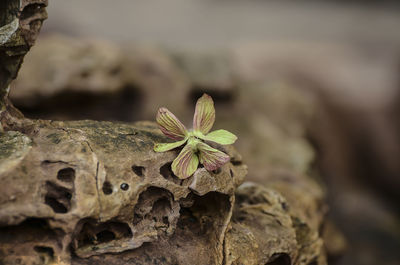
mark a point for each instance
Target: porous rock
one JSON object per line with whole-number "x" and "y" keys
{"x": 77, "y": 190}
{"x": 275, "y": 223}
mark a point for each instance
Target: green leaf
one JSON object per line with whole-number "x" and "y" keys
{"x": 170, "y": 125}
{"x": 221, "y": 137}
{"x": 185, "y": 164}
{"x": 204, "y": 115}
{"x": 211, "y": 158}
{"x": 163, "y": 147}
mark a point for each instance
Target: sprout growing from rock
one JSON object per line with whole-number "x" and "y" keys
{"x": 196, "y": 150}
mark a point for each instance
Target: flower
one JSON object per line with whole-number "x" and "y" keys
{"x": 196, "y": 150}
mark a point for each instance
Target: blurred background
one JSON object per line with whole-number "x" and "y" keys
{"x": 310, "y": 87}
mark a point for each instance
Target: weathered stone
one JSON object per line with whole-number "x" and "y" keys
{"x": 66, "y": 65}
{"x": 69, "y": 78}
{"x": 93, "y": 188}
{"x": 268, "y": 228}
{"x": 307, "y": 209}
{"x": 13, "y": 148}
{"x": 20, "y": 23}
{"x": 262, "y": 228}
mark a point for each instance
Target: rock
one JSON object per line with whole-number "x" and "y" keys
{"x": 14, "y": 146}
{"x": 69, "y": 78}
{"x": 91, "y": 188}
{"x": 67, "y": 65}
{"x": 20, "y": 23}
{"x": 94, "y": 192}
{"x": 277, "y": 222}
{"x": 262, "y": 229}
{"x": 307, "y": 209}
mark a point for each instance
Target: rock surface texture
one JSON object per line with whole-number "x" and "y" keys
{"x": 78, "y": 190}
{"x": 82, "y": 192}
{"x": 20, "y": 23}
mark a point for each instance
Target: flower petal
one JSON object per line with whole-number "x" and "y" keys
{"x": 170, "y": 125}
{"x": 221, "y": 137}
{"x": 163, "y": 147}
{"x": 185, "y": 164}
{"x": 204, "y": 115}
{"x": 211, "y": 158}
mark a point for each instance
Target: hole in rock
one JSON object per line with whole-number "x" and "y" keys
{"x": 125, "y": 104}
{"x": 206, "y": 213}
{"x": 167, "y": 173}
{"x": 35, "y": 223}
{"x": 161, "y": 205}
{"x": 107, "y": 188}
{"x": 105, "y": 236}
{"x": 138, "y": 170}
{"x": 156, "y": 209}
{"x": 165, "y": 220}
{"x": 279, "y": 259}
{"x": 32, "y": 232}
{"x": 30, "y": 10}
{"x": 187, "y": 220}
{"x": 66, "y": 174}
{"x": 94, "y": 233}
{"x": 55, "y": 205}
{"x": 236, "y": 163}
{"x": 44, "y": 250}
{"x": 58, "y": 198}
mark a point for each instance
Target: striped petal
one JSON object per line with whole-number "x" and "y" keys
{"x": 186, "y": 163}
{"x": 204, "y": 115}
{"x": 170, "y": 125}
{"x": 221, "y": 137}
{"x": 163, "y": 147}
{"x": 211, "y": 158}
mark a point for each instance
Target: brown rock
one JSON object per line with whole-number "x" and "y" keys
{"x": 268, "y": 228}
{"x": 91, "y": 188}
{"x": 262, "y": 228}
{"x": 69, "y": 78}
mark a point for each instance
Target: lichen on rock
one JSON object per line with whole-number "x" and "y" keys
{"x": 13, "y": 147}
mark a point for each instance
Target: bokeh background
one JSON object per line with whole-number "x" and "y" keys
{"x": 310, "y": 87}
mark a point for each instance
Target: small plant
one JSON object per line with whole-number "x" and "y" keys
{"x": 196, "y": 150}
